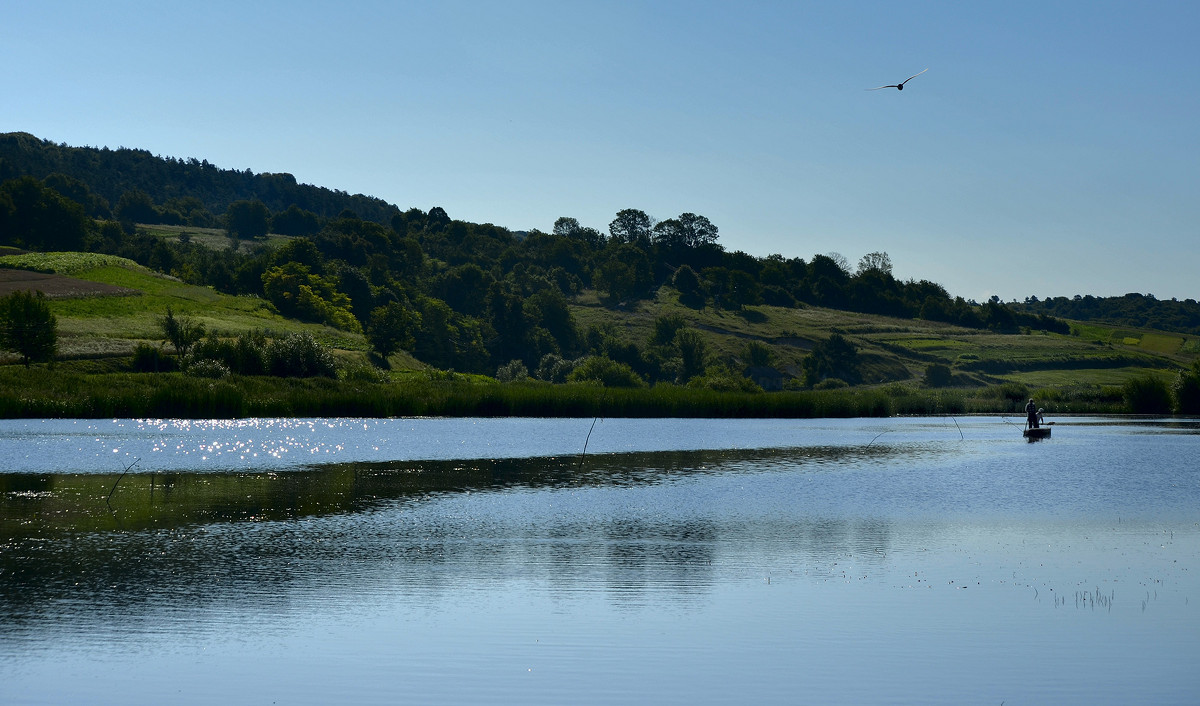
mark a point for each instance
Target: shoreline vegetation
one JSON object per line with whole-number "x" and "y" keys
{"x": 59, "y": 392}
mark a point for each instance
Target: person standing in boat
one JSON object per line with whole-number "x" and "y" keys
{"x": 1031, "y": 414}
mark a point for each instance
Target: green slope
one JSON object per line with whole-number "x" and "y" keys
{"x": 113, "y": 325}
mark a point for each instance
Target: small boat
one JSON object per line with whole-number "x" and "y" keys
{"x": 1037, "y": 433}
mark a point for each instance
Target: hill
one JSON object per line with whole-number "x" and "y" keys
{"x": 648, "y": 303}
{"x": 185, "y": 191}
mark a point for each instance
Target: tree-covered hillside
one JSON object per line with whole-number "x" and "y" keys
{"x": 158, "y": 189}
{"x": 454, "y": 294}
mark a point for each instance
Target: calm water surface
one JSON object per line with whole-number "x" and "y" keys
{"x": 677, "y": 561}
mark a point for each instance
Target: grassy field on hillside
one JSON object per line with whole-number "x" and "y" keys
{"x": 211, "y": 238}
{"x": 1080, "y": 372}
{"x": 113, "y": 325}
{"x": 899, "y": 350}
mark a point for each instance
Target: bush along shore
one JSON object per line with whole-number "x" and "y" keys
{"x": 59, "y": 392}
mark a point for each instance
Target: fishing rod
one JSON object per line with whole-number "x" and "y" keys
{"x": 114, "y": 488}
{"x": 956, "y": 426}
{"x": 588, "y": 438}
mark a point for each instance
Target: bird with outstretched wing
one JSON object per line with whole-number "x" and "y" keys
{"x": 899, "y": 86}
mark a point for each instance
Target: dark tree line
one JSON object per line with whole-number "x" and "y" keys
{"x": 182, "y": 191}
{"x": 1136, "y": 310}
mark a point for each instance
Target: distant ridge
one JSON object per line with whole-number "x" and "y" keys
{"x": 110, "y": 173}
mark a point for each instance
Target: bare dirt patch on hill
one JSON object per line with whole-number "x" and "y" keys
{"x": 57, "y": 286}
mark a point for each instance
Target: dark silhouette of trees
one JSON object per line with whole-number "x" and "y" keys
{"x": 688, "y": 230}
{"x": 295, "y": 221}
{"x": 248, "y": 219}
{"x": 567, "y": 227}
{"x": 109, "y": 173}
{"x": 632, "y": 226}
{"x": 136, "y": 206}
{"x": 1133, "y": 309}
{"x": 624, "y": 273}
{"x": 37, "y": 217}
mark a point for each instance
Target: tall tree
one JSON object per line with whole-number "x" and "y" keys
{"x": 687, "y": 231}
{"x": 875, "y": 262}
{"x": 182, "y": 331}
{"x": 297, "y": 221}
{"x": 697, "y": 230}
{"x": 247, "y": 219}
{"x": 632, "y": 226}
{"x": 28, "y": 327}
{"x": 567, "y": 227}
{"x": 393, "y": 327}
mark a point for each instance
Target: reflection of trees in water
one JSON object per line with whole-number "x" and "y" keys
{"x": 204, "y": 539}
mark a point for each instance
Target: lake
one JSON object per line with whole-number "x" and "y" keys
{"x": 315, "y": 561}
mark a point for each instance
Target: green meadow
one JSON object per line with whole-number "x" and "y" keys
{"x": 112, "y": 325}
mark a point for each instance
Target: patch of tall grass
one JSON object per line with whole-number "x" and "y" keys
{"x": 71, "y": 391}
{"x": 43, "y": 392}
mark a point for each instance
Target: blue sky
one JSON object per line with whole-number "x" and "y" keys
{"x": 1051, "y": 149}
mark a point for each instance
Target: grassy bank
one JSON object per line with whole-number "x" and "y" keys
{"x": 61, "y": 392}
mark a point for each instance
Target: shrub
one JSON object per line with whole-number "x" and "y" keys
{"x": 607, "y": 372}
{"x": 1187, "y": 390}
{"x": 512, "y": 371}
{"x": 835, "y": 357}
{"x": 774, "y": 295}
{"x": 244, "y": 355}
{"x": 554, "y": 368}
{"x": 938, "y": 375}
{"x": 363, "y": 373}
{"x": 666, "y": 326}
{"x": 182, "y": 331}
{"x": 300, "y": 355}
{"x": 1147, "y": 395}
{"x": 151, "y": 359}
{"x": 757, "y": 354}
{"x": 208, "y": 369}
{"x": 831, "y": 384}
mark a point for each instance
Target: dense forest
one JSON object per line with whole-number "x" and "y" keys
{"x": 152, "y": 189}
{"x": 455, "y": 294}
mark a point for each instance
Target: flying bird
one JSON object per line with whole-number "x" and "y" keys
{"x": 899, "y": 86}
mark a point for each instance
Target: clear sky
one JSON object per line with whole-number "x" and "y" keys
{"x": 1053, "y": 148}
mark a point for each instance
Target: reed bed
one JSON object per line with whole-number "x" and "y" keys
{"x": 64, "y": 393}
